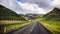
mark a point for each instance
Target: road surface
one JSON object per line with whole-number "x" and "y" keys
{"x": 34, "y": 28}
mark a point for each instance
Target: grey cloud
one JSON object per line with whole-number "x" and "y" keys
{"x": 41, "y": 3}
{"x": 11, "y": 4}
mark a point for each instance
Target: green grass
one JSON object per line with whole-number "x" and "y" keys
{"x": 10, "y": 26}
{"x": 52, "y": 25}
{"x": 15, "y": 27}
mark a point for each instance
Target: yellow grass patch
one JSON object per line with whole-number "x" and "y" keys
{"x": 11, "y": 22}
{"x": 55, "y": 29}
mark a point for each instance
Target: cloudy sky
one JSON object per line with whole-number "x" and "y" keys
{"x": 31, "y": 6}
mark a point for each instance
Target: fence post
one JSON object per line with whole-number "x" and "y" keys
{"x": 2, "y": 29}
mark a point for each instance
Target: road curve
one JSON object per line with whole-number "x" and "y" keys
{"x": 34, "y": 28}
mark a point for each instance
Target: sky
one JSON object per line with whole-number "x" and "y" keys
{"x": 31, "y": 6}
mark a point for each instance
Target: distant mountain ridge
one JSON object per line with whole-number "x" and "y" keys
{"x": 33, "y": 16}
{"x": 7, "y": 14}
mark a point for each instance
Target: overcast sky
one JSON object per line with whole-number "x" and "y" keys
{"x": 31, "y": 6}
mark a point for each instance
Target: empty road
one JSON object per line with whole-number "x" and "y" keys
{"x": 34, "y": 28}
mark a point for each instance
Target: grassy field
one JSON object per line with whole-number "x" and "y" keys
{"x": 14, "y": 25}
{"x": 52, "y": 25}
{"x": 11, "y": 22}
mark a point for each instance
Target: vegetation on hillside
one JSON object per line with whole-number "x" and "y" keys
{"x": 7, "y": 14}
{"x": 52, "y": 21}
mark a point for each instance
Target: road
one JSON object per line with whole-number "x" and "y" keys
{"x": 34, "y": 28}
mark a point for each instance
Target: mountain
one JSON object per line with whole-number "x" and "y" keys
{"x": 33, "y": 16}
{"x": 7, "y": 14}
{"x": 54, "y": 14}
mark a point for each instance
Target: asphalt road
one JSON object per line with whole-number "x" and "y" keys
{"x": 34, "y": 28}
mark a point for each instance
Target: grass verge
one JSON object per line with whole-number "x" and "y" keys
{"x": 53, "y": 26}
{"x": 13, "y": 25}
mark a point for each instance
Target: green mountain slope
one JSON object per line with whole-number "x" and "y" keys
{"x": 54, "y": 14}
{"x": 52, "y": 21}
{"x": 7, "y": 14}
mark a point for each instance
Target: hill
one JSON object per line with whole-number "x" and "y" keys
{"x": 52, "y": 21}
{"x": 33, "y": 16}
{"x": 54, "y": 14}
{"x": 7, "y": 14}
